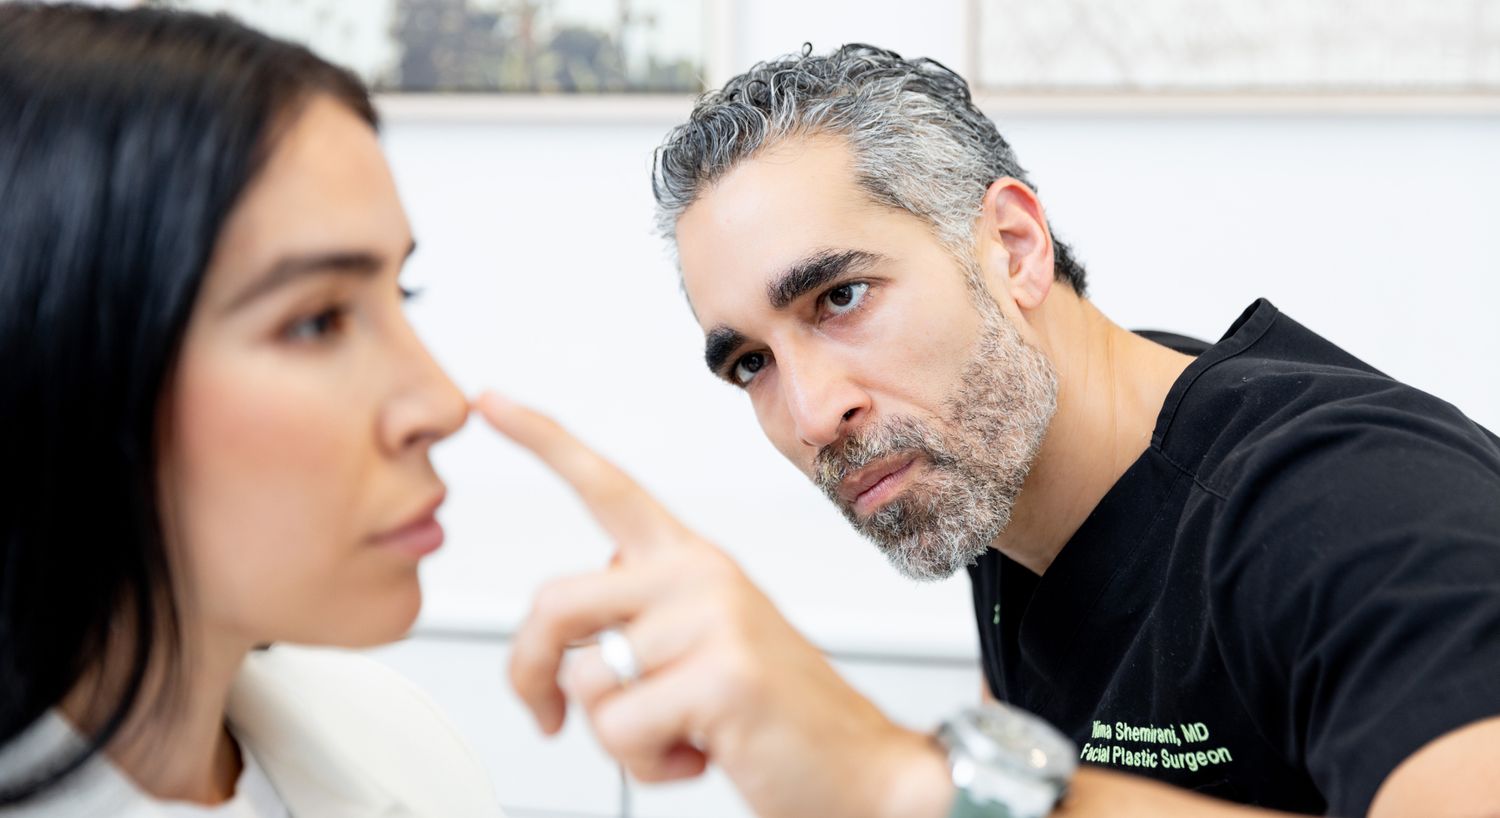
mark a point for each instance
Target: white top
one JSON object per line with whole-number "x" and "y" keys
{"x": 324, "y": 734}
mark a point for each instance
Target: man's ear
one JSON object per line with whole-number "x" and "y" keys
{"x": 1015, "y": 244}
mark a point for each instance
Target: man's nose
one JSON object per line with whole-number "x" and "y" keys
{"x": 821, "y": 397}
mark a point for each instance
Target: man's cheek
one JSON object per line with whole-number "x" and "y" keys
{"x": 778, "y": 429}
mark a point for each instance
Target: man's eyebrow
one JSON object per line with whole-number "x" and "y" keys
{"x": 291, "y": 268}
{"x": 814, "y": 271}
{"x": 717, "y": 346}
{"x": 803, "y": 277}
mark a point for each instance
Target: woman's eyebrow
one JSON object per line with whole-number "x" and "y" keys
{"x": 288, "y": 269}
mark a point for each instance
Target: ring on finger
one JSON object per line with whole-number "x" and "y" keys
{"x": 619, "y": 656}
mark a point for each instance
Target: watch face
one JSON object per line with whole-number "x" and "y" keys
{"x": 1002, "y": 737}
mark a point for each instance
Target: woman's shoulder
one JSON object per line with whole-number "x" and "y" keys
{"x": 335, "y": 729}
{"x": 94, "y": 789}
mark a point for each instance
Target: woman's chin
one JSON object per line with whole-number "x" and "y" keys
{"x": 377, "y": 621}
{"x": 391, "y": 619}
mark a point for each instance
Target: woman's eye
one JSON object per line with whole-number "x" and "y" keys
{"x": 845, "y": 297}
{"x": 316, "y": 327}
{"x": 746, "y": 368}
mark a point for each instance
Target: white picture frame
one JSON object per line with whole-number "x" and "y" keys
{"x": 1313, "y": 56}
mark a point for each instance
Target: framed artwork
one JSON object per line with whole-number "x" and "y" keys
{"x": 512, "y": 47}
{"x": 1229, "y": 48}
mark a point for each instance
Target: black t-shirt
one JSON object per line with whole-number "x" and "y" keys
{"x": 1294, "y": 588}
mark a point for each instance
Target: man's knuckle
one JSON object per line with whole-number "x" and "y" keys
{"x": 550, "y": 605}
{"x": 575, "y": 678}
{"x": 738, "y": 672}
{"x": 613, "y": 731}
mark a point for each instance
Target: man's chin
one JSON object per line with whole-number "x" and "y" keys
{"x": 917, "y": 562}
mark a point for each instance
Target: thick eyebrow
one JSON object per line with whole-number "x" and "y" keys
{"x": 803, "y": 277}
{"x": 720, "y": 342}
{"x": 291, "y": 268}
{"x": 813, "y": 272}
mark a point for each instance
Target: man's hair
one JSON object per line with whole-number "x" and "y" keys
{"x": 919, "y": 143}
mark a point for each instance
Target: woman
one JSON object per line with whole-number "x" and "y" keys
{"x": 216, "y": 425}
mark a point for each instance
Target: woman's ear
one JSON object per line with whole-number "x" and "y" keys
{"x": 1015, "y": 244}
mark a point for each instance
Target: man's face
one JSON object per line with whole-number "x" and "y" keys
{"x": 877, "y": 362}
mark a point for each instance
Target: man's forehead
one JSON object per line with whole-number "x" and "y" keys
{"x": 764, "y": 216}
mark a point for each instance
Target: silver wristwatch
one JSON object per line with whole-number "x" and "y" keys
{"x": 1006, "y": 763}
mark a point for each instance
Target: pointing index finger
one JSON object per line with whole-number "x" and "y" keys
{"x": 627, "y": 512}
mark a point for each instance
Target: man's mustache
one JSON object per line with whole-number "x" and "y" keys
{"x": 861, "y": 447}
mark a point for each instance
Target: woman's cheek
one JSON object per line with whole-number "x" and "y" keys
{"x": 265, "y": 472}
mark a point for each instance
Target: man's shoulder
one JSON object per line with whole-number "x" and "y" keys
{"x": 1325, "y": 468}
{"x": 1310, "y": 486}
{"x": 1247, "y": 419}
{"x": 1323, "y": 426}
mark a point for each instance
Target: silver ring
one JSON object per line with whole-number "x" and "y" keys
{"x": 619, "y": 656}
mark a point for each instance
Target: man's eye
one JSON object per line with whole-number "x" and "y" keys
{"x": 846, "y": 297}
{"x": 746, "y": 368}
{"x": 318, "y": 327}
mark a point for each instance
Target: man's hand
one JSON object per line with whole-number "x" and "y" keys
{"x": 725, "y": 678}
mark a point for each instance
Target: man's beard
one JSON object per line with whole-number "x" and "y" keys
{"x": 977, "y": 456}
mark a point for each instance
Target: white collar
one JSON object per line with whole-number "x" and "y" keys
{"x": 299, "y": 753}
{"x": 296, "y": 750}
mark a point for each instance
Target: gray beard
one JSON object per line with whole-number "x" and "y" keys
{"x": 977, "y": 456}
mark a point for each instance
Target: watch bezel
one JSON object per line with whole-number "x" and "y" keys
{"x": 1004, "y": 757}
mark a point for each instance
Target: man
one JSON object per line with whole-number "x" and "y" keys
{"x": 1263, "y": 571}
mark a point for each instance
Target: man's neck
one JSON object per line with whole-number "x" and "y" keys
{"x": 175, "y": 744}
{"x": 1111, "y": 387}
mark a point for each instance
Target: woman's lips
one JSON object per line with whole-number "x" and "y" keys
{"x": 417, "y": 538}
{"x": 883, "y": 490}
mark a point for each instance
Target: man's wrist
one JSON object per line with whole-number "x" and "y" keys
{"x": 918, "y": 783}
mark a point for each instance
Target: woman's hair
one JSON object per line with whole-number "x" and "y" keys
{"x": 126, "y": 138}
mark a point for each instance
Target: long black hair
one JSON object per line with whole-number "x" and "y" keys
{"x": 126, "y": 137}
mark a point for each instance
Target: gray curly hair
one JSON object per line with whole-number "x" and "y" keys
{"x": 919, "y": 142}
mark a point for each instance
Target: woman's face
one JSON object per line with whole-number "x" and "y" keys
{"x": 297, "y": 490}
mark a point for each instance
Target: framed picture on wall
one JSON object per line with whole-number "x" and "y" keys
{"x": 572, "y": 48}
{"x": 1283, "y": 49}
{"x": 525, "y": 60}
{"x": 495, "y": 46}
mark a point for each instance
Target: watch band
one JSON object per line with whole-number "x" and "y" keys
{"x": 966, "y": 807}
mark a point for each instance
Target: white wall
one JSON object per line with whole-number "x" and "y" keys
{"x": 1378, "y": 230}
